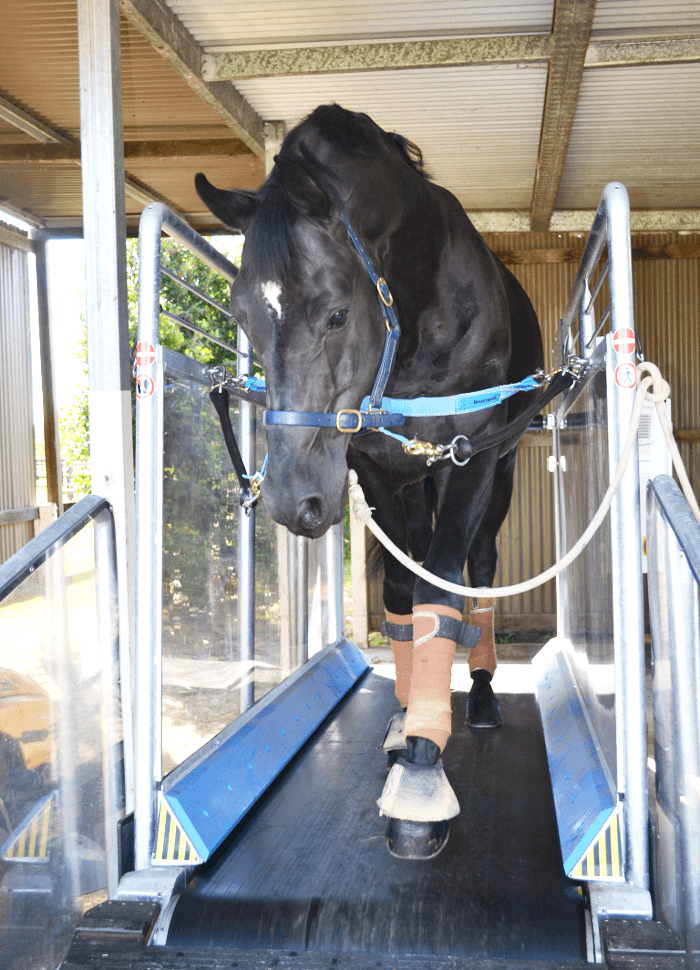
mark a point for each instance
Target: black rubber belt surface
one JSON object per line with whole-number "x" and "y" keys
{"x": 308, "y": 869}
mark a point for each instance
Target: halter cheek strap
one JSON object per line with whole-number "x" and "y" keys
{"x": 349, "y": 420}
{"x": 393, "y": 330}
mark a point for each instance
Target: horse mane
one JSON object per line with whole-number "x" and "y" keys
{"x": 271, "y": 243}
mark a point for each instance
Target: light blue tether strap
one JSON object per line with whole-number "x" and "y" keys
{"x": 433, "y": 407}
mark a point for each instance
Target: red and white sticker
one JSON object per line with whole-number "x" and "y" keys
{"x": 623, "y": 340}
{"x": 145, "y": 354}
{"x": 145, "y": 385}
{"x": 625, "y": 375}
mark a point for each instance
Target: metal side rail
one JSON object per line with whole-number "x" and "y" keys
{"x": 673, "y": 546}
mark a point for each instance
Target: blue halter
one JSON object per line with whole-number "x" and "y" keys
{"x": 370, "y": 414}
{"x": 395, "y": 411}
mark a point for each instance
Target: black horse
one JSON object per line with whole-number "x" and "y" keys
{"x": 346, "y": 203}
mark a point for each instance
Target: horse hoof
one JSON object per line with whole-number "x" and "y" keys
{"x": 483, "y": 710}
{"x": 416, "y": 840}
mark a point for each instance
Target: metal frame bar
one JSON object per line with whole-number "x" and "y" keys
{"x": 611, "y": 227}
{"x": 674, "y": 605}
{"x": 155, "y": 219}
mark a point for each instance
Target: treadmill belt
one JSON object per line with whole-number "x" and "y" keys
{"x": 308, "y": 868}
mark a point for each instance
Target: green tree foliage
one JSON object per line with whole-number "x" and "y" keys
{"x": 74, "y": 423}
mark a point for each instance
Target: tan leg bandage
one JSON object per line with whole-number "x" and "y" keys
{"x": 403, "y": 657}
{"x": 429, "y": 712}
{"x": 483, "y": 656}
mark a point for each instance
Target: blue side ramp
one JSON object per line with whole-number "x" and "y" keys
{"x": 585, "y": 798}
{"x": 214, "y": 789}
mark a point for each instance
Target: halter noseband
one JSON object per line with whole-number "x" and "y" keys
{"x": 350, "y": 420}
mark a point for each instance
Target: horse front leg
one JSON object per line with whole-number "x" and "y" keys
{"x": 391, "y": 504}
{"x": 419, "y": 825}
{"x": 482, "y": 706}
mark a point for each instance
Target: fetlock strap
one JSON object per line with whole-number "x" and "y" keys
{"x": 449, "y": 628}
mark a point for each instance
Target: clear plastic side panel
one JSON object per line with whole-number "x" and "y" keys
{"x": 204, "y": 677}
{"x": 61, "y": 787}
{"x": 585, "y": 589}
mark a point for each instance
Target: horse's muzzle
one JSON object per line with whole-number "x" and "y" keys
{"x": 312, "y": 516}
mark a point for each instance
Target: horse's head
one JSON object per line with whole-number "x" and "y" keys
{"x": 305, "y": 300}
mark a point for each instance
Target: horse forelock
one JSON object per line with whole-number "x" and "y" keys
{"x": 270, "y": 238}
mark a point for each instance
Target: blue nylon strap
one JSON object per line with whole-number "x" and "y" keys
{"x": 432, "y": 407}
{"x": 392, "y": 323}
{"x": 342, "y": 420}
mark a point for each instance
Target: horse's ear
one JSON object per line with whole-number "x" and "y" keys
{"x": 235, "y": 209}
{"x": 302, "y": 189}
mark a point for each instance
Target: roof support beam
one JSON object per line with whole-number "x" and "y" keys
{"x": 28, "y": 124}
{"x": 393, "y": 55}
{"x": 170, "y": 38}
{"x": 401, "y": 55}
{"x": 661, "y": 50}
{"x": 133, "y": 150}
{"x": 56, "y": 147}
{"x": 570, "y": 36}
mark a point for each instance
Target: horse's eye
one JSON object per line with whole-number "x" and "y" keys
{"x": 337, "y": 319}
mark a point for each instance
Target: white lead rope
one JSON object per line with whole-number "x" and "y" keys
{"x": 661, "y": 391}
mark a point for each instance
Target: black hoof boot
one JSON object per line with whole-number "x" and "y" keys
{"x": 416, "y": 840}
{"x": 421, "y": 751}
{"x": 483, "y": 710}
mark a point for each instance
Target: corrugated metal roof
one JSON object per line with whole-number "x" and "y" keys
{"x": 640, "y": 125}
{"x": 260, "y": 23}
{"x": 647, "y": 16}
{"x": 478, "y": 126}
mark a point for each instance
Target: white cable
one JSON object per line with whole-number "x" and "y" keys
{"x": 363, "y": 513}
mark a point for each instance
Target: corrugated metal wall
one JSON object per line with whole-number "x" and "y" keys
{"x": 17, "y": 481}
{"x": 667, "y": 313}
{"x": 526, "y": 541}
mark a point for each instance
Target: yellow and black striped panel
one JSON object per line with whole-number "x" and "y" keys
{"x": 603, "y": 860}
{"x": 172, "y": 845}
{"x": 31, "y": 843}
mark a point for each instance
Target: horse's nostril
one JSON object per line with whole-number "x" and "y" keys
{"x": 312, "y": 513}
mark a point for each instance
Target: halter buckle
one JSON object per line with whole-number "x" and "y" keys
{"x": 358, "y": 415}
{"x": 384, "y": 292}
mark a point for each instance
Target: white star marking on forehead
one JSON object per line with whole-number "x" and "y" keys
{"x": 272, "y": 291}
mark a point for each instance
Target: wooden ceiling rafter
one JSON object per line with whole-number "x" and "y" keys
{"x": 56, "y": 147}
{"x": 571, "y": 31}
{"x": 167, "y": 34}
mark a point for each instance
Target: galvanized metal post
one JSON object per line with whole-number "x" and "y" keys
{"x": 586, "y": 324}
{"x": 107, "y": 593}
{"x": 628, "y": 602}
{"x": 54, "y": 476}
{"x": 104, "y": 226}
{"x": 334, "y": 569}
{"x": 246, "y": 540}
{"x": 300, "y": 545}
{"x": 149, "y": 553}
